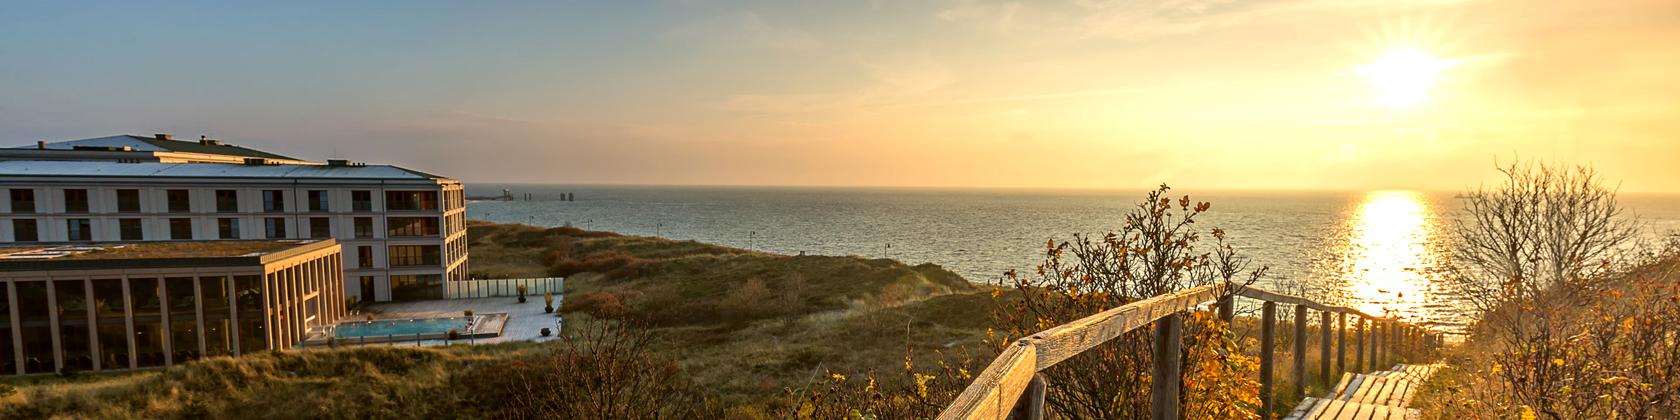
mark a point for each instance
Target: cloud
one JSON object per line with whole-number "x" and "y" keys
{"x": 744, "y": 29}
{"x": 887, "y": 80}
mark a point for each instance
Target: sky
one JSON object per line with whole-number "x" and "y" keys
{"x": 1266, "y": 94}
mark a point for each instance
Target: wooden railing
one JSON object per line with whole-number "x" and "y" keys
{"x": 1012, "y": 385}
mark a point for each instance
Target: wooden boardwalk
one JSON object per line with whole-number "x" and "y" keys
{"x": 1381, "y": 395}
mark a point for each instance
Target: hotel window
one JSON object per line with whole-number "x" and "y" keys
{"x": 411, "y": 255}
{"x": 274, "y": 228}
{"x": 320, "y": 227}
{"x": 274, "y": 201}
{"x": 79, "y": 229}
{"x": 75, "y": 348}
{"x": 361, "y": 200}
{"x": 180, "y": 228}
{"x": 180, "y": 201}
{"x": 227, "y": 228}
{"x": 318, "y": 201}
{"x": 411, "y": 200}
{"x": 130, "y": 230}
{"x": 23, "y": 230}
{"x": 112, "y": 323}
{"x": 23, "y": 201}
{"x": 364, "y": 256}
{"x": 183, "y": 317}
{"x": 411, "y": 226}
{"x": 425, "y": 286}
{"x": 249, "y": 303}
{"x": 128, "y": 201}
{"x": 35, "y": 323}
{"x": 148, "y": 323}
{"x": 364, "y": 227}
{"x": 75, "y": 201}
{"x": 227, "y": 201}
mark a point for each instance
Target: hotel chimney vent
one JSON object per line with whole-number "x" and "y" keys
{"x": 163, "y": 136}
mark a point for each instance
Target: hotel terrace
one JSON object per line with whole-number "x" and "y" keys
{"x": 404, "y": 231}
{"x": 145, "y": 304}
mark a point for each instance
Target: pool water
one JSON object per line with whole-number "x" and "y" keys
{"x": 398, "y": 327}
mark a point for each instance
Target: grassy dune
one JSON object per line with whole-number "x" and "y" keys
{"x": 749, "y": 324}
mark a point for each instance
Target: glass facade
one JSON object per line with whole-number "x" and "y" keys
{"x": 183, "y": 318}
{"x": 35, "y": 322}
{"x": 148, "y": 321}
{"x": 108, "y": 322}
{"x": 411, "y": 226}
{"x": 421, "y": 287}
{"x": 75, "y": 349}
{"x": 8, "y": 355}
{"x": 411, "y": 200}
{"x": 112, "y": 323}
{"x": 218, "y": 315}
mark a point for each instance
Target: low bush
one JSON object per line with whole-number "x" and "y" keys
{"x": 600, "y": 370}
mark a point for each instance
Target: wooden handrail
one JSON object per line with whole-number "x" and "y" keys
{"x": 996, "y": 390}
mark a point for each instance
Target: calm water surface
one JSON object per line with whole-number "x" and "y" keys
{"x": 1373, "y": 250}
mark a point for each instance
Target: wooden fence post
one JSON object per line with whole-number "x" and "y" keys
{"x": 1300, "y": 350}
{"x": 1324, "y": 347}
{"x": 1380, "y": 351}
{"x": 1228, "y": 308}
{"x": 1341, "y": 342}
{"x": 1359, "y": 341}
{"x": 1031, "y": 404}
{"x": 1166, "y": 380}
{"x": 1268, "y": 322}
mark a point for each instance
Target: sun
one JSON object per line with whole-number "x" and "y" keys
{"x": 1403, "y": 77}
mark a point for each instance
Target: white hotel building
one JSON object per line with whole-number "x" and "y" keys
{"x": 403, "y": 231}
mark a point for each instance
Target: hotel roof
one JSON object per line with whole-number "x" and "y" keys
{"x": 46, "y": 257}
{"x": 154, "y": 144}
{"x": 60, "y": 168}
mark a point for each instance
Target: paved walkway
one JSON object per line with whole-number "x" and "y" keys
{"x": 525, "y": 320}
{"x": 1382, "y": 395}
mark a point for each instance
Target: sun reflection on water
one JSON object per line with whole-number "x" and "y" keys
{"x": 1390, "y": 257}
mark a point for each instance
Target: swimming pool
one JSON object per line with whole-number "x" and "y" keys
{"x": 401, "y": 327}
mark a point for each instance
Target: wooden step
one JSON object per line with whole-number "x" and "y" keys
{"x": 1376, "y": 395}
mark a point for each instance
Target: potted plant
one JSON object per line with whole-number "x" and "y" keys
{"x": 546, "y": 332}
{"x": 548, "y": 302}
{"x": 370, "y": 318}
{"x": 454, "y": 334}
{"x": 521, "y": 289}
{"x": 468, "y": 313}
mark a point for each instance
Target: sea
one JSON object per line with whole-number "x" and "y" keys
{"x": 1377, "y": 251}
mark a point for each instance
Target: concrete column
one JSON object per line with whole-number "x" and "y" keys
{"x": 128, "y": 321}
{"x": 17, "y": 325}
{"x": 168, "y": 338}
{"x": 233, "y": 314}
{"x": 93, "y": 324}
{"x": 198, "y": 313}
{"x": 265, "y": 286}
{"x": 52, "y": 319}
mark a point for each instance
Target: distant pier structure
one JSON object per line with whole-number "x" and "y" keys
{"x": 508, "y": 195}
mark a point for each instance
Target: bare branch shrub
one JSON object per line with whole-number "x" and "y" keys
{"x": 1566, "y": 328}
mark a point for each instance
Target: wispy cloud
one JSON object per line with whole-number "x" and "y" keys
{"x": 745, "y": 28}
